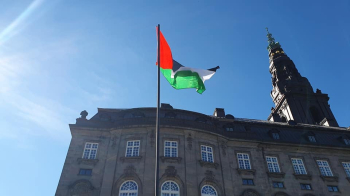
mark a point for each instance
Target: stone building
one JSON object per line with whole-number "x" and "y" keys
{"x": 298, "y": 150}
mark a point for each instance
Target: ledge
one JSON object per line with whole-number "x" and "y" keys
{"x": 208, "y": 164}
{"x": 130, "y": 158}
{"x": 275, "y": 174}
{"x": 303, "y": 176}
{"x": 171, "y": 159}
{"x": 87, "y": 161}
{"x": 246, "y": 171}
{"x": 330, "y": 178}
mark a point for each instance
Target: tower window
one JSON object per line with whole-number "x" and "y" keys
{"x": 324, "y": 168}
{"x": 278, "y": 185}
{"x": 170, "y": 149}
{"x": 312, "y": 138}
{"x": 346, "y": 166}
{"x": 132, "y": 148}
{"x": 85, "y": 172}
{"x": 247, "y": 182}
{"x": 272, "y": 164}
{"x": 333, "y": 189}
{"x": 90, "y": 150}
{"x": 276, "y": 136}
{"x": 243, "y": 161}
{"x": 305, "y": 187}
{"x": 207, "y": 153}
{"x": 298, "y": 166}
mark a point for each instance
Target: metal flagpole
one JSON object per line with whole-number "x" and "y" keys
{"x": 157, "y": 121}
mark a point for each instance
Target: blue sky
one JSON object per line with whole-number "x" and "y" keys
{"x": 58, "y": 58}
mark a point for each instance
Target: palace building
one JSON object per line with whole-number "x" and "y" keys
{"x": 298, "y": 150}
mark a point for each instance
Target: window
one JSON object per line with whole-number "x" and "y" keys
{"x": 243, "y": 161}
{"x": 324, "y": 168}
{"x": 207, "y": 153}
{"x": 346, "y": 166}
{"x": 170, "y": 188}
{"x": 298, "y": 166}
{"x": 132, "y": 148}
{"x": 247, "y": 181}
{"x": 333, "y": 189}
{"x": 90, "y": 150}
{"x": 346, "y": 141}
{"x": 128, "y": 188}
{"x": 170, "y": 149}
{"x": 272, "y": 164}
{"x": 305, "y": 187}
{"x": 278, "y": 184}
{"x": 229, "y": 128}
{"x": 312, "y": 138}
{"x": 276, "y": 136}
{"x": 85, "y": 172}
{"x": 208, "y": 190}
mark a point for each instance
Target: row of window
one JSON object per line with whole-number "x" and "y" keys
{"x": 207, "y": 155}
{"x": 168, "y": 188}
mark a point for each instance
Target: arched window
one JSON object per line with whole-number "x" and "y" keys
{"x": 208, "y": 190}
{"x": 128, "y": 188}
{"x": 170, "y": 188}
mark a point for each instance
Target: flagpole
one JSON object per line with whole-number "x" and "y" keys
{"x": 157, "y": 120}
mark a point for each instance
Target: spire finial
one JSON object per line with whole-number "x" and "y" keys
{"x": 272, "y": 43}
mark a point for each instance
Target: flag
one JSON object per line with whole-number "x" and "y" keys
{"x": 179, "y": 76}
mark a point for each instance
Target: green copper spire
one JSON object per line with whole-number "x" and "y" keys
{"x": 272, "y": 43}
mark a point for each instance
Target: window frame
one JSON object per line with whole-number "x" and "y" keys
{"x": 170, "y": 192}
{"x": 216, "y": 192}
{"x": 332, "y": 186}
{"x": 90, "y": 150}
{"x": 346, "y": 168}
{"x": 132, "y": 148}
{"x": 243, "y": 159}
{"x": 303, "y": 184}
{"x": 267, "y": 163}
{"x": 212, "y": 153}
{"x": 278, "y": 187}
{"x": 298, "y": 158}
{"x": 128, "y": 191}
{"x": 329, "y": 166}
{"x": 171, "y": 147}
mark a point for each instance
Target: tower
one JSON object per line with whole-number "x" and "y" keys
{"x": 293, "y": 94}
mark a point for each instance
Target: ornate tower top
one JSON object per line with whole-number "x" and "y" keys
{"x": 293, "y": 94}
{"x": 272, "y": 43}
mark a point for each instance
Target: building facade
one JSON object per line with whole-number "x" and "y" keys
{"x": 299, "y": 150}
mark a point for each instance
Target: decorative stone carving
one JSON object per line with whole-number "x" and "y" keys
{"x": 130, "y": 159}
{"x": 303, "y": 176}
{"x": 81, "y": 187}
{"x": 208, "y": 164}
{"x": 209, "y": 176}
{"x": 170, "y": 171}
{"x": 281, "y": 194}
{"x": 246, "y": 171}
{"x": 250, "y": 192}
{"x": 129, "y": 171}
{"x": 84, "y": 114}
{"x": 189, "y": 141}
{"x": 330, "y": 178}
{"x": 223, "y": 145}
{"x": 152, "y": 137}
{"x": 87, "y": 161}
{"x": 171, "y": 159}
{"x": 276, "y": 174}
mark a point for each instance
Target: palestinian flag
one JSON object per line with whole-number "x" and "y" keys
{"x": 181, "y": 77}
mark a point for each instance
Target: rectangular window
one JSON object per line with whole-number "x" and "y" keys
{"x": 132, "y": 148}
{"x": 207, "y": 153}
{"x": 85, "y": 172}
{"x": 312, "y": 138}
{"x": 346, "y": 166}
{"x": 305, "y": 187}
{"x": 278, "y": 184}
{"x": 272, "y": 164}
{"x": 298, "y": 166}
{"x": 170, "y": 149}
{"x": 229, "y": 128}
{"x": 90, "y": 150}
{"x": 333, "y": 189}
{"x": 247, "y": 181}
{"x": 276, "y": 136}
{"x": 324, "y": 168}
{"x": 347, "y": 141}
{"x": 243, "y": 161}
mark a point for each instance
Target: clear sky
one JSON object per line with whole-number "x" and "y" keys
{"x": 58, "y": 58}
